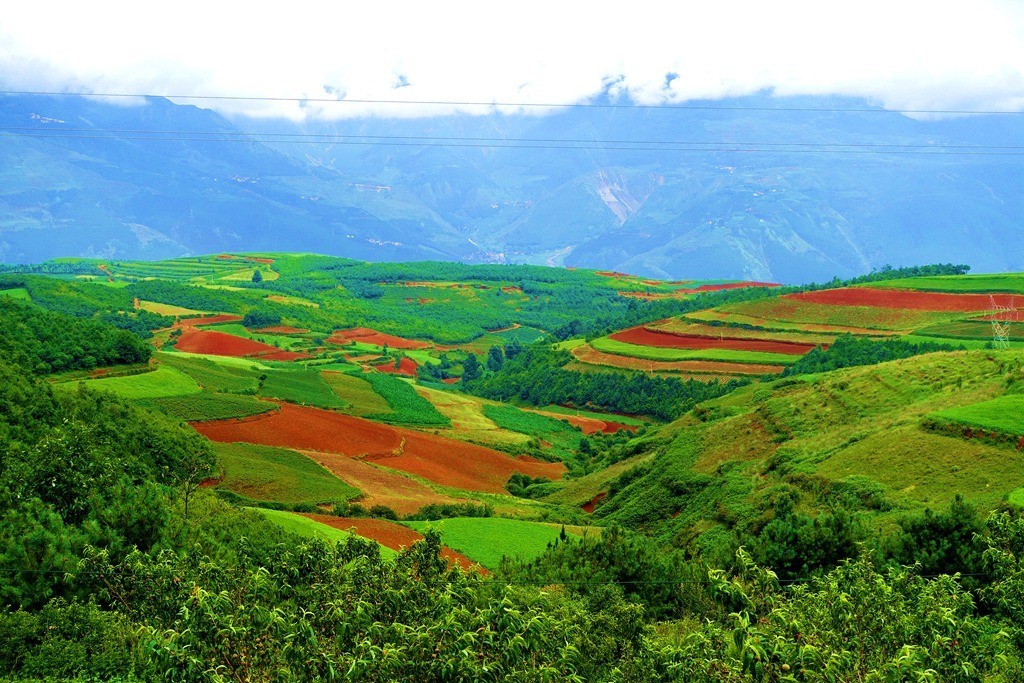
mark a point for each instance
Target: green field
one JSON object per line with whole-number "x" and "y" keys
{"x": 357, "y": 394}
{"x": 164, "y": 381}
{"x": 1009, "y": 283}
{"x": 301, "y": 385}
{"x": 487, "y": 539}
{"x": 1004, "y": 414}
{"x": 207, "y": 405}
{"x": 278, "y": 475}
{"x": 213, "y": 375}
{"x": 657, "y": 353}
{"x": 407, "y": 407}
{"x": 308, "y": 528}
{"x": 16, "y": 293}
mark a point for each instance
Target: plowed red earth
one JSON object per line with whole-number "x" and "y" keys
{"x": 435, "y": 458}
{"x": 893, "y": 298}
{"x": 644, "y": 337}
{"x": 591, "y": 504}
{"x": 406, "y": 366}
{"x": 390, "y": 535}
{"x": 368, "y": 336}
{"x": 220, "y": 344}
{"x": 223, "y": 344}
{"x": 210, "y": 320}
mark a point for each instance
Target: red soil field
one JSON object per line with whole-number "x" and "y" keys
{"x": 645, "y": 337}
{"x": 451, "y": 380}
{"x": 282, "y": 329}
{"x": 390, "y": 535}
{"x": 368, "y": 336}
{"x": 610, "y": 273}
{"x": 406, "y": 366}
{"x": 210, "y": 320}
{"x": 435, "y": 458}
{"x": 220, "y": 344}
{"x": 894, "y": 298}
{"x": 591, "y": 504}
{"x": 380, "y": 486}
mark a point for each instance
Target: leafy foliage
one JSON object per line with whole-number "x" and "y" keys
{"x": 46, "y": 342}
{"x": 849, "y": 351}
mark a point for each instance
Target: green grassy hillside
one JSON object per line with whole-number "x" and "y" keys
{"x": 855, "y": 436}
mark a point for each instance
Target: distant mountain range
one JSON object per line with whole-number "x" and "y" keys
{"x": 788, "y": 195}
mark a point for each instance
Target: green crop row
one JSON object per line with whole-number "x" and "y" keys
{"x": 207, "y": 405}
{"x": 409, "y": 408}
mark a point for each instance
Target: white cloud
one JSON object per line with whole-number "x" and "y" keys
{"x": 904, "y": 54}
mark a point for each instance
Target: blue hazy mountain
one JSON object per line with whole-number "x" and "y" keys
{"x": 789, "y": 194}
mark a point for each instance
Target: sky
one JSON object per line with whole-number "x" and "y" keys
{"x": 900, "y": 54}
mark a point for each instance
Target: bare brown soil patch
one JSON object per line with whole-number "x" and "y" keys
{"x": 369, "y": 336}
{"x": 406, "y": 366}
{"x": 591, "y": 504}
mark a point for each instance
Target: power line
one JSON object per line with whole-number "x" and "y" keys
{"x": 654, "y": 146}
{"x": 539, "y": 105}
{"x": 331, "y": 137}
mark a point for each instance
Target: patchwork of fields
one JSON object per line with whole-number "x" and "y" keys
{"x": 328, "y": 402}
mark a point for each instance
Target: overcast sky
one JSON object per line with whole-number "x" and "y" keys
{"x": 902, "y": 54}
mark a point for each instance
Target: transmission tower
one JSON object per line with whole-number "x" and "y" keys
{"x": 1001, "y": 317}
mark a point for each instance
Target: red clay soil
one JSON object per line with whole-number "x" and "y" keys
{"x": 406, "y": 366}
{"x": 591, "y": 504}
{"x": 612, "y": 427}
{"x": 210, "y": 320}
{"x": 451, "y": 380}
{"x": 894, "y": 298}
{"x": 438, "y": 459}
{"x": 220, "y": 344}
{"x": 644, "y": 337}
{"x": 391, "y": 535}
{"x": 610, "y": 273}
{"x": 368, "y": 336}
{"x": 282, "y": 329}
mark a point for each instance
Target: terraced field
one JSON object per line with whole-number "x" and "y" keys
{"x": 586, "y": 353}
{"x": 612, "y": 346}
